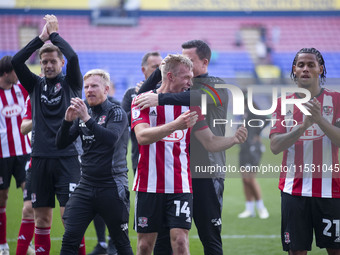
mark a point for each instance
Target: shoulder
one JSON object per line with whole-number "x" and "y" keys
{"x": 113, "y": 100}
{"x": 116, "y": 112}
{"x": 213, "y": 79}
{"x": 331, "y": 92}
{"x": 138, "y": 96}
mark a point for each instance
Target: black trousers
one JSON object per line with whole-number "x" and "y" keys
{"x": 87, "y": 201}
{"x": 208, "y": 198}
{"x": 207, "y": 211}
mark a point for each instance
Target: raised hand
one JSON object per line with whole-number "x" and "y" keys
{"x": 71, "y": 113}
{"x": 44, "y": 36}
{"x": 51, "y": 23}
{"x": 80, "y": 108}
{"x": 314, "y": 107}
{"x": 147, "y": 100}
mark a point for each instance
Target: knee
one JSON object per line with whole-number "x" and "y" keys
{"x": 43, "y": 219}
{"x": 248, "y": 181}
{"x": 181, "y": 244}
{"x": 3, "y": 197}
{"x": 144, "y": 247}
{"x": 27, "y": 210}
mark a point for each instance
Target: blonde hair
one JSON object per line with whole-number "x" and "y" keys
{"x": 171, "y": 63}
{"x": 105, "y": 75}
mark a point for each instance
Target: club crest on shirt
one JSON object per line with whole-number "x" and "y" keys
{"x": 101, "y": 120}
{"x": 33, "y": 197}
{"x": 328, "y": 110}
{"x": 18, "y": 94}
{"x": 135, "y": 112}
{"x": 142, "y": 222}
{"x": 57, "y": 87}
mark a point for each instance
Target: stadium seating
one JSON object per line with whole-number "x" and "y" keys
{"x": 120, "y": 49}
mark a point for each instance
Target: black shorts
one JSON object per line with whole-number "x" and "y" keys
{"x": 250, "y": 155}
{"x": 15, "y": 166}
{"x": 53, "y": 176}
{"x": 154, "y": 211}
{"x": 27, "y": 188}
{"x": 301, "y": 215}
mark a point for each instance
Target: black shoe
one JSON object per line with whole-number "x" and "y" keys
{"x": 98, "y": 250}
{"x": 111, "y": 249}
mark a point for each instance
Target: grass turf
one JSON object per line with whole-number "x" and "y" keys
{"x": 240, "y": 236}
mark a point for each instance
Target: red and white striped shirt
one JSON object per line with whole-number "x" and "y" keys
{"x": 310, "y": 167}
{"x": 28, "y": 111}
{"x": 164, "y": 166}
{"x": 12, "y": 106}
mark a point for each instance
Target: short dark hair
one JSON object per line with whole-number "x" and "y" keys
{"x": 147, "y": 55}
{"x": 6, "y": 65}
{"x": 49, "y": 47}
{"x": 319, "y": 58}
{"x": 202, "y": 49}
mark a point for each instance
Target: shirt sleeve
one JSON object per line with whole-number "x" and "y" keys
{"x": 67, "y": 133}
{"x": 276, "y": 120}
{"x": 25, "y": 76}
{"x": 201, "y": 122}
{"x": 116, "y": 123}
{"x": 28, "y": 112}
{"x": 73, "y": 74}
{"x": 182, "y": 98}
{"x": 138, "y": 116}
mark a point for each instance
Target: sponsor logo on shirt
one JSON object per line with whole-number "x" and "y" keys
{"x": 11, "y": 110}
{"x": 142, "y": 222}
{"x": 176, "y": 136}
{"x": 153, "y": 113}
{"x": 314, "y": 132}
{"x": 53, "y": 101}
{"x": 289, "y": 113}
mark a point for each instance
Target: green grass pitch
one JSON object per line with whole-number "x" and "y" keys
{"x": 240, "y": 236}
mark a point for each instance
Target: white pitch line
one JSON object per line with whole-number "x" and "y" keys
{"x": 193, "y": 237}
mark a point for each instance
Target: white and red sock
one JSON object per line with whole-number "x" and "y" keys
{"x": 3, "y": 239}
{"x": 25, "y": 236}
{"x": 42, "y": 241}
{"x": 82, "y": 248}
